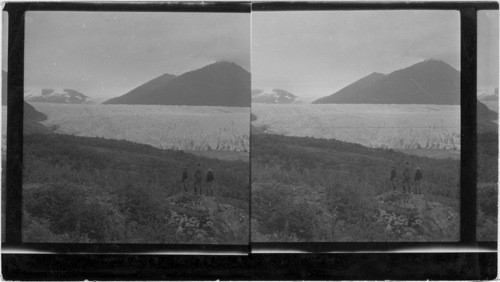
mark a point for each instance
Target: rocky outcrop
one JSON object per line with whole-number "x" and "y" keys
{"x": 204, "y": 219}
{"x": 409, "y": 215}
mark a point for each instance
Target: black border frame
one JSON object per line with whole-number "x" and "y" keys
{"x": 254, "y": 266}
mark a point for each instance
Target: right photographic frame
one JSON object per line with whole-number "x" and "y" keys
{"x": 356, "y": 126}
{"x": 487, "y": 125}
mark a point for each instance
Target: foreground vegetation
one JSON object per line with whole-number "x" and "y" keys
{"x": 309, "y": 189}
{"x": 487, "y": 188}
{"x": 83, "y": 189}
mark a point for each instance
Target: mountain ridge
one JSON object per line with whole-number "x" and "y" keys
{"x": 150, "y": 85}
{"x": 218, "y": 84}
{"x": 427, "y": 82}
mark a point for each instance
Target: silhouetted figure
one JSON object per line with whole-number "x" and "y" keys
{"x": 407, "y": 177}
{"x": 393, "y": 178}
{"x": 185, "y": 180}
{"x": 418, "y": 181}
{"x": 210, "y": 182}
{"x": 197, "y": 180}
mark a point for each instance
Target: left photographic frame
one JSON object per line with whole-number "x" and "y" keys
{"x": 135, "y": 128}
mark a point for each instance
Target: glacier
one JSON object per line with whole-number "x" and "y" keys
{"x": 195, "y": 128}
{"x": 391, "y": 126}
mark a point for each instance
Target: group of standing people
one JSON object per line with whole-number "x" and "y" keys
{"x": 198, "y": 181}
{"x": 406, "y": 180}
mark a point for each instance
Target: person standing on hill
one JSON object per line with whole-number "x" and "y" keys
{"x": 210, "y": 182}
{"x": 197, "y": 180}
{"x": 393, "y": 177}
{"x": 407, "y": 177}
{"x": 418, "y": 181}
{"x": 184, "y": 179}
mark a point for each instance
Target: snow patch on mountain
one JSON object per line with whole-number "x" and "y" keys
{"x": 273, "y": 96}
{"x": 55, "y": 95}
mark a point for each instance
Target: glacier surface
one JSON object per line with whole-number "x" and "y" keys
{"x": 168, "y": 127}
{"x": 377, "y": 126}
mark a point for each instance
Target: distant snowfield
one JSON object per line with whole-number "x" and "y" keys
{"x": 167, "y": 127}
{"x": 378, "y": 126}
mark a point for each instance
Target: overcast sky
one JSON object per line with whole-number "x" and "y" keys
{"x": 5, "y": 30}
{"x": 314, "y": 54}
{"x": 106, "y": 54}
{"x": 487, "y": 51}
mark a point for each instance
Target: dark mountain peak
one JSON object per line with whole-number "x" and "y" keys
{"x": 373, "y": 77}
{"x": 435, "y": 61}
{"x": 432, "y": 60}
{"x": 219, "y": 84}
{"x": 375, "y": 74}
{"x": 221, "y": 65}
{"x": 354, "y": 87}
{"x": 427, "y": 82}
{"x": 135, "y": 96}
{"x": 165, "y": 76}
{"x": 432, "y": 65}
{"x": 224, "y": 62}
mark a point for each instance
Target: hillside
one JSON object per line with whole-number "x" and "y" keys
{"x": 31, "y": 120}
{"x": 218, "y": 84}
{"x": 273, "y": 96}
{"x": 427, "y": 82}
{"x": 95, "y": 190}
{"x": 354, "y": 87}
{"x": 487, "y": 120}
{"x": 377, "y": 126}
{"x": 32, "y": 115}
{"x": 60, "y": 96}
{"x": 493, "y": 97}
{"x": 137, "y": 95}
{"x": 317, "y": 190}
{"x": 492, "y": 105}
{"x": 484, "y": 113}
